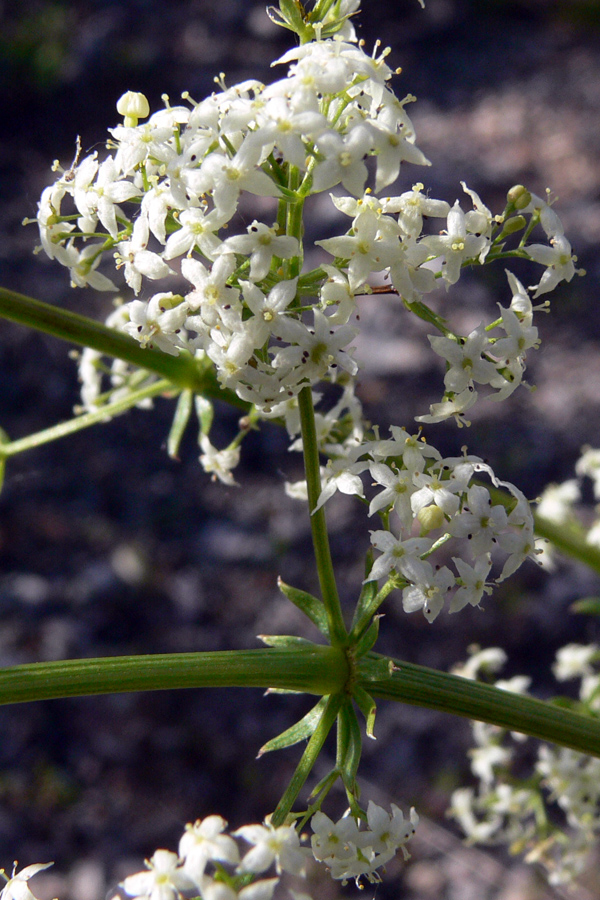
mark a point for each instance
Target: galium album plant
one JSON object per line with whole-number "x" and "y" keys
{"x": 208, "y": 308}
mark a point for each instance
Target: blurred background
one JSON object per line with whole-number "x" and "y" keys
{"x": 109, "y": 547}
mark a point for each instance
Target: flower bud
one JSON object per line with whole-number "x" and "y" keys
{"x": 518, "y": 196}
{"x": 133, "y": 106}
{"x": 515, "y": 223}
{"x": 430, "y": 517}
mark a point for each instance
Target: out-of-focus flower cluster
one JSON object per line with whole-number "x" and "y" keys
{"x": 521, "y": 811}
{"x": 561, "y": 504}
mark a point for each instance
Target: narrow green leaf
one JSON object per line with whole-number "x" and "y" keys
{"x": 300, "y": 731}
{"x": 4, "y": 439}
{"x": 180, "y": 422}
{"x": 292, "y": 12}
{"x": 308, "y": 604}
{"x": 287, "y": 641}
{"x": 311, "y": 753}
{"x": 367, "y": 641}
{"x": 368, "y": 708}
{"x": 349, "y": 746}
{"x": 589, "y": 606}
{"x": 205, "y": 412}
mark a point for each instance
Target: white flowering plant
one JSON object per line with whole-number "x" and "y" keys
{"x": 208, "y": 308}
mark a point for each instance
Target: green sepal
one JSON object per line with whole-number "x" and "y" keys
{"x": 180, "y": 423}
{"x": 4, "y": 439}
{"x": 320, "y": 10}
{"x": 308, "y": 604}
{"x": 300, "y": 731}
{"x": 287, "y": 641}
{"x": 325, "y": 784}
{"x": 368, "y": 639}
{"x": 349, "y": 747}
{"x": 589, "y": 606}
{"x": 291, "y": 13}
{"x": 368, "y": 708}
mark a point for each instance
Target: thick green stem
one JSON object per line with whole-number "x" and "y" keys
{"x": 420, "y": 686}
{"x": 315, "y": 670}
{"x": 309, "y": 758}
{"x": 318, "y": 524}
{"x": 318, "y": 670}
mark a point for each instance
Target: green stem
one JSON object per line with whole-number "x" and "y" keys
{"x": 183, "y": 370}
{"x": 315, "y": 670}
{"x": 63, "y": 429}
{"x": 420, "y": 686}
{"x": 318, "y": 670}
{"x": 570, "y": 539}
{"x": 308, "y": 759}
{"x": 318, "y": 524}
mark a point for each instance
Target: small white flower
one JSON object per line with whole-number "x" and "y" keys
{"x": 472, "y": 582}
{"x": 341, "y": 475}
{"x": 479, "y": 521}
{"x": 17, "y": 887}
{"x": 575, "y": 661}
{"x": 203, "y": 842}
{"x": 261, "y": 244}
{"x": 164, "y": 880}
{"x": 559, "y": 260}
{"x": 556, "y": 502}
{"x": 388, "y": 832}
{"x": 272, "y": 845}
{"x": 456, "y": 245}
{"x": 333, "y": 839}
{"x": 402, "y": 556}
{"x": 219, "y": 463}
{"x": 139, "y": 261}
{"x": 218, "y": 890}
{"x": 466, "y": 359}
{"x": 429, "y": 589}
{"x": 451, "y": 406}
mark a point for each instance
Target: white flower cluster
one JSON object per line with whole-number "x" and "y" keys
{"x": 512, "y": 810}
{"x": 351, "y": 852}
{"x": 165, "y": 204}
{"x": 209, "y": 864}
{"x": 183, "y": 173}
{"x": 438, "y": 499}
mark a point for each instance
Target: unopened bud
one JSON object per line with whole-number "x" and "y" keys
{"x": 133, "y": 106}
{"x": 515, "y": 223}
{"x": 430, "y": 517}
{"x": 518, "y": 196}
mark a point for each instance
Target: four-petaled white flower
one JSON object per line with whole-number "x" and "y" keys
{"x": 204, "y": 842}
{"x": 272, "y": 845}
{"x": 164, "y": 880}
